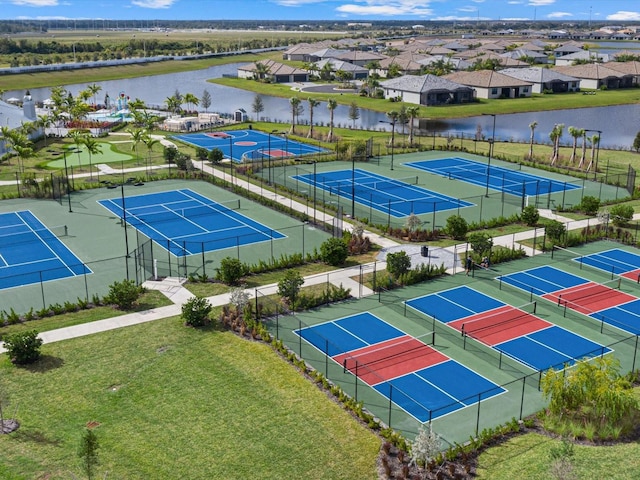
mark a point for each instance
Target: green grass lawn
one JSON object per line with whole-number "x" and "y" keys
{"x": 527, "y": 457}
{"x": 174, "y": 402}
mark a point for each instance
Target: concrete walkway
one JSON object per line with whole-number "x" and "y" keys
{"x": 173, "y": 288}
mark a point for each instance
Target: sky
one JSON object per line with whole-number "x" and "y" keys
{"x": 610, "y": 11}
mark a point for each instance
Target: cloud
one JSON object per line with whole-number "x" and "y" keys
{"x": 468, "y": 9}
{"x": 559, "y": 15}
{"x": 540, "y": 3}
{"x": 622, "y": 15}
{"x": 36, "y": 3}
{"x": 387, "y": 8}
{"x": 153, "y": 3}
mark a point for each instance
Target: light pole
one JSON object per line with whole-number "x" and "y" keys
{"x": 491, "y": 143}
{"x": 393, "y": 133}
{"x": 269, "y": 154}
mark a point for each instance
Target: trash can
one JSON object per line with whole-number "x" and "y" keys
{"x": 424, "y": 251}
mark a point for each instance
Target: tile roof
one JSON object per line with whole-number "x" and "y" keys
{"x": 486, "y": 79}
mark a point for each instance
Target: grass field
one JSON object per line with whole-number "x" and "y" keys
{"x": 174, "y": 402}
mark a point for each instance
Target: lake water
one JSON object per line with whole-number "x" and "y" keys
{"x": 619, "y": 125}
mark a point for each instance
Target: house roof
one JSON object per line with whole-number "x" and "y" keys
{"x": 538, "y": 75}
{"x": 275, "y": 68}
{"x": 423, "y": 83}
{"x": 590, "y": 71}
{"x": 352, "y": 56}
{"x": 628, "y": 68}
{"x": 340, "y": 65}
{"x": 406, "y": 62}
{"x": 486, "y": 79}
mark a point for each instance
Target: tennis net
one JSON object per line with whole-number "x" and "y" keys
{"x": 345, "y": 186}
{"x": 481, "y": 326}
{"x": 596, "y": 261}
{"x": 391, "y": 354}
{"x": 189, "y": 213}
{"x": 21, "y": 234}
{"x": 591, "y": 293}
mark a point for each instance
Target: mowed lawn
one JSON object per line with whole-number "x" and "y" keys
{"x": 174, "y": 402}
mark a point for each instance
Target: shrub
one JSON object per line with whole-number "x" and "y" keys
{"x": 195, "y": 312}
{"x": 289, "y": 286}
{"x": 589, "y": 205}
{"x": 398, "y": 263}
{"x": 530, "y": 215}
{"x": 621, "y": 214}
{"x": 24, "y": 347}
{"x": 334, "y": 251}
{"x": 457, "y": 227}
{"x": 123, "y": 294}
{"x": 555, "y": 230}
{"x": 231, "y": 271}
{"x": 480, "y": 242}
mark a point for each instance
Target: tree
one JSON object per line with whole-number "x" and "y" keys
{"x": 532, "y": 126}
{"x": 425, "y": 447}
{"x": 215, "y": 155}
{"x": 149, "y": 142}
{"x": 93, "y": 148}
{"x": 205, "y": 100}
{"x": 457, "y": 227}
{"x": 294, "y": 102}
{"x": 590, "y": 392}
{"x": 480, "y": 242}
{"x": 621, "y": 214}
{"x": 88, "y": 452}
{"x": 412, "y": 113}
{"x": 398, "y": 263}
{"x": 584, "y": 149}
{"x": 257, "y": 106}
{"x": 575, "y": 133}
{"x": 77, "y": 138}
{"x": 44, "y": 121}
{"x": 636, "y": 143}
{"x": 589, "y": 204}
{"x": 334, "y": 251}
{"x": 555, "y": 230}
{"x": 413, "y": 222}
{"x": 313, "y": 103}
{"x": 23, "y": 347}
{"x": 555, "y": 136}
{"x": 94, "y": 89}
{"x": 191, "y": 99}
{"x": 170, "y": 154}
{"x": 137, "y": 136}
{"x": 123, "y": 294}
{"x": 595, "y": 140}
{"x": 262, "y": 70}
{"x": 393, "y": 115}
{"x": 289, "y": 287}
{"x": 354, "y": 113}
{"x": 195, "y": 312}
{"x": 230, "y": 271}
{"x": 331, "y": 105}
{"x": 530, "y": 215}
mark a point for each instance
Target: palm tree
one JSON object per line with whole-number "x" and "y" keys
{"x": 262, "y": 70}
{"x": 313, "y": 103}
{"x": 150, "y": 142}
{"x": 595, "y": 140}
{"x": 44, "y": 122}
{"x": 555, "y": 136}
{"x": 393, "y": 115}
{"x": 575, "y": 133}
{"x": 137, "y": 136}
{"x": 173, "y": 104}
{"x": 532, "y": 126}
{"x": 94, "y": 89}
{"x": 413, "y": 112}
{"x": 93, "y": 148}
{"x": 584, "y": 149}
{"x": 24, "y": 152}
{"x": 331, "y": 105}
{"x": 191, "y": 99}
{"x": 78, "y": 139}
{"x": 295, "y": 103}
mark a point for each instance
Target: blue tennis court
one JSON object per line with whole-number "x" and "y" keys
{"x": 398, "y": 198}
{"x": 502, "y": 179}
{"x": 32, "y": 253}
{"x": 416, "y": 377}
{"x": 187, "y": 223}
{"x": 249, "y": 145}
{"x": 513, "y": 331}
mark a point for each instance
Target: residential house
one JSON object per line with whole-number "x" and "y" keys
{"x": 405, "y": 64}
{"x": 581, "y": 57}
{"x": 357, "y": 72}
{"x": 630, "y": 70}
{"x": 426, "y": 90}
{"x": 273, "y": 71}
{"x": 492, "y": 84}
{"x": 544, "y": 79}
{"x": 593, "y": 75}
